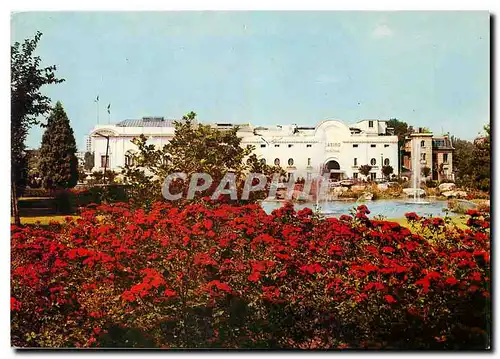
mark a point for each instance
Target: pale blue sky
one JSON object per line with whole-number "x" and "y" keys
{"x": 429, "y": 69}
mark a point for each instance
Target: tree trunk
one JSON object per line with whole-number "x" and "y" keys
{"x": 14, "y": 204}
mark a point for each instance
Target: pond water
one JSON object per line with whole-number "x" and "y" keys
{"x": 386, "y": 208}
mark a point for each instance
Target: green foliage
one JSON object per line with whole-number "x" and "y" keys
{"x": 387, "y": 171}
{"x": 195, "y": 148}
{"x": 426, "y": 171}
{"x": 462, "y": 159}
{"x": 365, "y": 169}
{"x": 97, "y": 178}
{"x": 472, "y": 162}
{"x": 33, "y": 167}
{"x": 89, "y": 161}
{"x": 481, "y": 161}
{"x": 431, "y": 184}
{"x": 58, "y": 164}
{"x": 27, "y": 101}
{"x": 401, "y": 129}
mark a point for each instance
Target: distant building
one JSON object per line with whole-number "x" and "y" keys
{"x": 88, "y": 144}
{"x": 329, "y": 147}
{"x": 81, "y": 158}
{"x": 436, "y": 152}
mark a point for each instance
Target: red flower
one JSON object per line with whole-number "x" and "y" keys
{"x": 363, "y": 209}
{"x": 388, "y": 249}
{"x": 169, "y": 293}
{"x": 412, "y": 216}
{"x": 473, "y": 213}
{"x": 390, "y": 299}
{"x": 14, "y": 304}
{"x": 222, "y": 286}
{"x": 254, "y": 277}
{"x": 207, "y": 223}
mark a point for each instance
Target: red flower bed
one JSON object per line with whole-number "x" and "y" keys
{"x": 217, "y": 275}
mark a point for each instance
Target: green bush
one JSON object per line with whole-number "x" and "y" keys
{"x": 431, "y": 184}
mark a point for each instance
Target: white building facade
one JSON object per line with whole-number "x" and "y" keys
{"x": 329, "y": 147}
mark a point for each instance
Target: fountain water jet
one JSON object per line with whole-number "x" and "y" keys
{"x": 416, "y": 171}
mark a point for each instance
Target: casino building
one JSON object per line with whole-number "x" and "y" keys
{"x": 331, "y": 146}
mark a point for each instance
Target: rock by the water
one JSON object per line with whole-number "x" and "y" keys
{"x": 457, "y": 194}
{"x": 366, "y": 197}
{"x": 411, "y": 192}
{"x": 445, "y": 187}
{"x": 340, "y": 189}
{"x": 382, "y": 186}
{"x": 358, "y": 188}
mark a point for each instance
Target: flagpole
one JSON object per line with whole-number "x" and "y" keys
{"x": 97, "y": 108}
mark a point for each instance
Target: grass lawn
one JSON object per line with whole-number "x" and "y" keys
{"x": 44, "y": 220}
{"x": 33, "y": 198}
{"x": 460, "y": 221}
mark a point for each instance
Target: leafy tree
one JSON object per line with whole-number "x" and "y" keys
{"x": 195, "y": 148}
{"x": 88, "y": 161}
{"x": 27, "y": 105}
{"x": 426, "y": 171}
{"x": 33, "y": 161}
{"x": 481, "y": 161}
{"x": 58, "y": 165}
{"x": 401, "y": 129}
{"x": 472, "y": 161}
{"x": 365, "y": 170}
{"x": 387, "y": 171}
{"x": 462, "y": 162}
{"x": 97, "y": 177}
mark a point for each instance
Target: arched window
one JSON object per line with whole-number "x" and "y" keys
{"x": 129, "y": 158}
{"x": 422, "y": 143}
{"x": 373, "y": 161}
{"x": 290, "y": 161}
{"x": 263, "y": 161}
{"x": 386, "y": 162}
{"x": 276, "y": 161}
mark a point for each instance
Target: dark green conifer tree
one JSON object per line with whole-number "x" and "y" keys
{"x": 58, "y": 164}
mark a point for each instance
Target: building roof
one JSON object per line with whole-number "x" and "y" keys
{"x": 147, "y": 122}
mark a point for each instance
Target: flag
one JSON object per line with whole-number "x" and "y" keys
{"x": 97, "y": 99}
{"x": 108, "y": 108}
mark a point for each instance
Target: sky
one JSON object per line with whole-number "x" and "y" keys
{"x": 429, "y": 69}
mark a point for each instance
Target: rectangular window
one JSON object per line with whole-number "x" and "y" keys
{"x": 355, "y": 145}
{"x": 355, "y": 161}
{"x": 308, "y": 161}
{"x": 373, "y": 176}
{"x": 262, "y": 146}
{"x": 370, "y": 124}
{"x": 355, "y": 175}
{"x": 372, "y": 145}
{"x": 105, "y": 161}
{"x": 308, "y": 145}
{"x": 309, "y": 175}
{"x": 386, "y": 146}
{"x": 423, "y": 156}
{"x": 445, "y": 157}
